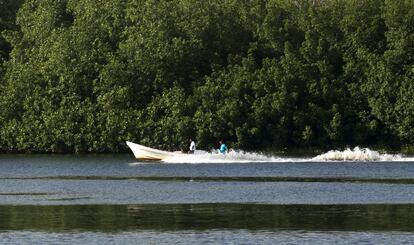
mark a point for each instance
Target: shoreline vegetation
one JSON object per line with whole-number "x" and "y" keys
{"x": 82, "y": 77}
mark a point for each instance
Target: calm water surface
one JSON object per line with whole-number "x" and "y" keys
{"x": 112, "y": 199}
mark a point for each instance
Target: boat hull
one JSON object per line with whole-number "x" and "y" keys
{"x": 149, "y": 154}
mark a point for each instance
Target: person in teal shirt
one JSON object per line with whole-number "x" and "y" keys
{"x": 223, "y": 147}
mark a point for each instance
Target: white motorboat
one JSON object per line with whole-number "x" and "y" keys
{"x": 146, "y": 153}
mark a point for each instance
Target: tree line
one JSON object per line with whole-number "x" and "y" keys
{"x": 87, "y": 75}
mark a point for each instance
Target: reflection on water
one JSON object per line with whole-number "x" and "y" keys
{"x": 103, "y": 199}
{"x": 224, "y": 179}
{"x": 113, "y": 218}
{"x": 131, "y": 191}
{"x": 52, "y": 166}
{"x": 208, "y": 237}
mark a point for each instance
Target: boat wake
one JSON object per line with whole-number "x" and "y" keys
{"x": 351, "y": 155}
{"x": 361, "y": 154}
{"x": 231, "y": 157}
{"x": 358, "y": 154}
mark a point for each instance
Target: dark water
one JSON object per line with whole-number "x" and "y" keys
{"x": 111, "y": 199}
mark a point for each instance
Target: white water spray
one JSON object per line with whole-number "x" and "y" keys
{"x": 231, "y": 157}
{"x": 357, "y": 154}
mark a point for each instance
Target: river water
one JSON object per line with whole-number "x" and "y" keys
{"x": 247, "y": 199}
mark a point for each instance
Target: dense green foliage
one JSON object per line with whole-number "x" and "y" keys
{"x": 86, "y": 75}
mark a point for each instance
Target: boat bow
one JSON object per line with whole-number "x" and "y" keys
{"x": 146, "y": 153}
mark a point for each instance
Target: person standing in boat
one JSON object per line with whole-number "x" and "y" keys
{"x": 223, "y": 147}
{"x": 192, "y": 147}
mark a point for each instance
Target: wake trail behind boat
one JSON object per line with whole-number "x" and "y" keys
{"x": 354, "y": 155}
{"x": 360, "y": 154}
{"x": 231, "y": 157}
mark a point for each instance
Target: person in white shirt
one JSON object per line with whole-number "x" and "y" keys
{"x": 192, "y": 146}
